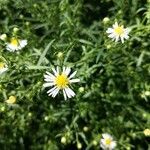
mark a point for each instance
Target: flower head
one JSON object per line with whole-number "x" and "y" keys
{"x": 11, "y": 100}
{"x": 15, "y": 44}
{"x": 106, "y": 20}
{"x": 60, "y": 81}
{"x": 107, "y": 142}
{"x": 3, "y": 67}
{"x": 15, "y": 29}
{"x": 118, "y": 32}
{"x": 63, "y": 140}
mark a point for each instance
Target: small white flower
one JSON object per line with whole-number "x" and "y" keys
{"x": 60, "y": 81}
{"x": 118, "y": 32}
{"x": 107, "y": 142}
{"x": 16, "y": 44}
{"x": 3, "y": 67}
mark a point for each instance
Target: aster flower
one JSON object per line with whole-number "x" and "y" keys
{"x": 60, "y": 81}
{"x": 107, "y": 142}
{"x": 118, "y": 32}
{"x": 3, "y": 67}
{"x": 11, "y": 100}
{"x": 15, "y": 44}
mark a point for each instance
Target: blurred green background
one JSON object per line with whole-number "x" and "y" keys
{"x": 112, "y": 96}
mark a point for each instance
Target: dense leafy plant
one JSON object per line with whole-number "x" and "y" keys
{"x": 114, "y": 89}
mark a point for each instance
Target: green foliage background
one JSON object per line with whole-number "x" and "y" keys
{"x": 114, "y": 77}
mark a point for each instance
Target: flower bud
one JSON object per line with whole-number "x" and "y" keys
{"x": 35, "y": 5}
{"x": 147, "y": 93}
{"x": 3, "y": 37}
{"x": 21, "y": 16}
{"x": 106, "y": 20}
{"x": 27, "y": 23}
{"x": 79, "y": 145}
{"x": 108, "y": 46}
{"x": 29, "y": 114}
{"x": 94, "y": 142}
{"x": 146, "y": 132}
{"x": 81, "y": 89}
{"x": 144, "y": 115}
{"x": 63, "y": 140}
{"x": 46, "y": 118}
{"x": 85, "y": 129}
{"x": 15, "y": 30}
{"x": 2, "y": 108}
{"x": 60, "y": 55}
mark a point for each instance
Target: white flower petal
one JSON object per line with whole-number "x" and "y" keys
{"x": 48, "y": 84}
{"x": 115, "y": 25}
{"x": 48, "y": 78}
{"x": 22, "y": 43}
{"x": 109, "y": 30}
{"x": 65, "y": 96}
{"x": 113, "y": 144}
{"x": 102, "y": 141}
{"x": 55, "y": 72}
{"x": 67, "y": 93}
{"x": 11, "y": 47}
{"x": 117, "y": 38}
{"x": 127, "y": 30}
{"x": 106, "y": 136}
{"x": 102, "y": 146}
{"x": 51, "y": 75}
{"x": 122, "y": 39}
{"x": 51, "y": 90}
{"x": 64, "y": 69}
{"x": 67, "y": 71}
{"x": 55, "y": 92}
{"x": 57, "y": 69}
{"x": 70, "y": 92}
{"x": 126, "y": 37}
{"x": 3, "y": 70}
{"x": 72, "y": 75}
{"x": 74, "y": 80}
{"x": 112, "y": 35}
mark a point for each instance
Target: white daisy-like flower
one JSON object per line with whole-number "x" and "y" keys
{"x": 107, "y": 142}
{"x": 3, "y": 67}
{"x": 60, "y": 81}
{"x": 118, "y": 32}
{"x": 15, "y": 44}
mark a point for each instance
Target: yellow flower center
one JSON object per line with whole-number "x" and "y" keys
{"x": 108, "y": 141}
{"x": 11, "y": 100}
{"x": 14, "y": 42}
{"x": 119, "y": 30}
{"x": 62, "y": 81}
{"x": 2, "y": 65}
